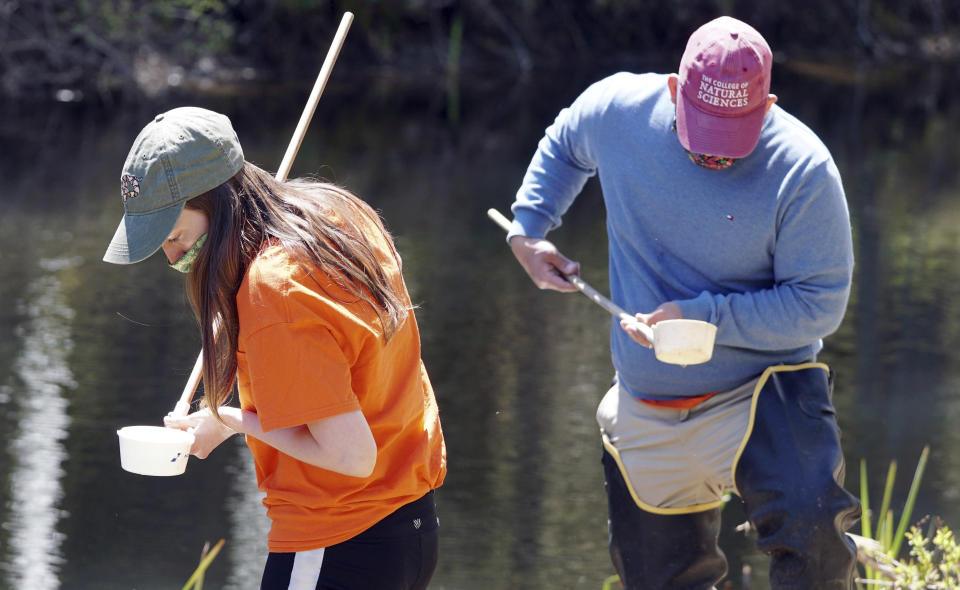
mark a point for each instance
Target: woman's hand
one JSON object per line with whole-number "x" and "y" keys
{"x": 666, "y": 311}
{"x": 208, "y": 432}
{"x": 341, "y": 443}
{"x": 542, "y": 261}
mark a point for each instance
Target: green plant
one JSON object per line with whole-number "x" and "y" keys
{"x": 206, "y": 558}
{"x": 936, "y": 560}
{"x": 888, "y": 540}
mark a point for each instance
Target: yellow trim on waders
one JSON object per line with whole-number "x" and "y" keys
{"x": 753, "y": 408}
{"x": 643, "y": 505}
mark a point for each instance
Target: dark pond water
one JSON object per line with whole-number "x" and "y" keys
{"x": 86, "y": 347}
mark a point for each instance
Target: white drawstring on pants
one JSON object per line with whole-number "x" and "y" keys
{"x": 306, "y": 569}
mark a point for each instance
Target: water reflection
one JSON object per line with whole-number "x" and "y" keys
{"x": 518, "y": 372}
{"x": 43, "y": 375}
{"x": 246, "y": 545}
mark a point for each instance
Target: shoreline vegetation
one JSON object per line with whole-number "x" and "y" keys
{"x": 109, "y": 50}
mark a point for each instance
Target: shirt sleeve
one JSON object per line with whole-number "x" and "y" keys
{"x": 560, "y": 167}
{"x": 298, "y": 374}
{"x": 813, "y": 267}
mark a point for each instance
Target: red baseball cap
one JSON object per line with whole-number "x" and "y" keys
{"x": 723, "y": 88}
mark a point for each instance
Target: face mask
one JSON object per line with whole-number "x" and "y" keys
{"x": 710, "y": 162}
{"x": 186, "y": 261}
{"x": 707, "y": 161}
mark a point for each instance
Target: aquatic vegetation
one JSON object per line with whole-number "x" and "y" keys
{"x": 206, "y": 558}
{"x": 935, "y": 563}
{"x": 612, "y": 582}
{"x": 881, "y": 553}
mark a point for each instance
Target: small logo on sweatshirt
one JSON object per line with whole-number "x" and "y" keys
{"x": 416, "y": 523}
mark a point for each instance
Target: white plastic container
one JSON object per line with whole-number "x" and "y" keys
{"x": 683, "y": 342}
{"x": 154, "y": 450}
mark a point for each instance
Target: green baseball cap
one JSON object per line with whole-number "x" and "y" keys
{"x": 181, "y": 154}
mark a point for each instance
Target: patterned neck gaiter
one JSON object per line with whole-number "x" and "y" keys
{"x": 707, "y": 161}
{"x": 185, "y": 262}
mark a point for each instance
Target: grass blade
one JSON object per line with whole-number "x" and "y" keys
{"x": 865, "y": 519}
{"x": 610, "y": 581}
{"x": 202, "y": 568}
{"x": 911, "y": 499}
{"x": 887, "y": 539}
{"x": 864, "y": 501}
{"x": 885, "y": 503}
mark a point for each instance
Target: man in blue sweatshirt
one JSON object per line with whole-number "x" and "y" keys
{"x": 721, "y": 207}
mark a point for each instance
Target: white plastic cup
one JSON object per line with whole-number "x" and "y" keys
{"x": 684, "y": 342}
{"x": 154, "y": 450}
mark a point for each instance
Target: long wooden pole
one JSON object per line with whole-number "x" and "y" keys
{"x": 183, "y": 404}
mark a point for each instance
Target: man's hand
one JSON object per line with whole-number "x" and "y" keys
{"x": 666, "y": 311}
{"x": 542, "y": 261}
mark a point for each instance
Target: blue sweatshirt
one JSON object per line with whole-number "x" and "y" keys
{"x": 761, "y": 249}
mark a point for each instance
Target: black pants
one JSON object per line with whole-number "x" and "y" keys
{"x": 397, "y": 553}
{"x": 789, "y": 477}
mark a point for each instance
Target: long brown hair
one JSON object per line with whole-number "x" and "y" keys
{"x": 316, "y": 222}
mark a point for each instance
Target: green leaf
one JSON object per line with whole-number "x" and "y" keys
{"x": 864, "y": 501}
{"x": 885, "y": 503}
{"x": 609, "y": 582}
{"x": 911, "y": 499}
{"x": 196, "y": 580}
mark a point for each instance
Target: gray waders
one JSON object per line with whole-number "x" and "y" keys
{"x": 789, "y": 476}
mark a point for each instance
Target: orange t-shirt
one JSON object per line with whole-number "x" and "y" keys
{"x": 308, "y": 351}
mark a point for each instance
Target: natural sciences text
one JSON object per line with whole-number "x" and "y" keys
{"x": 732, "y": 95}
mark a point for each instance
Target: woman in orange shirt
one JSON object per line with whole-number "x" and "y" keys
{"x": 298, "y": 291}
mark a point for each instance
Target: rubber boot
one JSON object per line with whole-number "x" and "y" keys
{"x": 660, "y": 552}
{"x": 789, "y": 476}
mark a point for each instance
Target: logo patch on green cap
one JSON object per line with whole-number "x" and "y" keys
{"x": 129, "y": 187}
